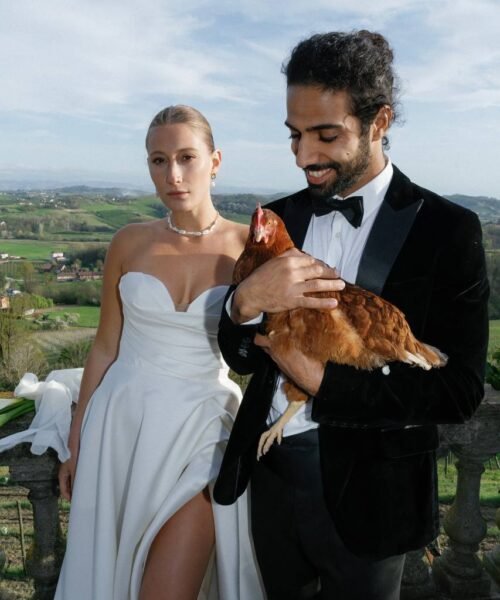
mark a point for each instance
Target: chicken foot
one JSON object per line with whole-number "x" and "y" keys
{"x": 275, "y": 433}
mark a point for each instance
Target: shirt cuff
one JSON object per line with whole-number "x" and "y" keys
{"x": 255, "y": 321}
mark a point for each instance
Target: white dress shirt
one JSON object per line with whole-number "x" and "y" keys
{"x": 332, "y": 239}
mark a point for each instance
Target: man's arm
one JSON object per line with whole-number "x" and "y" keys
{"x": 236, "y": 341}
{"x": 282, "y": 284}
{"x": 279, "y": 284}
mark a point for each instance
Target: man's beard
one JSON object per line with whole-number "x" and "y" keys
{"x": 347, "y": 174}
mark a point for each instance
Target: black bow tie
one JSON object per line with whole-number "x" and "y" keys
{"x": 351, "y": 208}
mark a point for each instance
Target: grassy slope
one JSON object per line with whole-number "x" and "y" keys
{"x": 88, "y": 316}
{"x": 494, "y": 343}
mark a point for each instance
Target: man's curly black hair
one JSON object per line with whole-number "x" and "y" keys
{"x": 359, "y": 62}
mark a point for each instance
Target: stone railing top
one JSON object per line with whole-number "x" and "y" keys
{"x": 480, "y": 435}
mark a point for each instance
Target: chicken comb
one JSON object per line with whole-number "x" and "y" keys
{"x": 259, "y": 213}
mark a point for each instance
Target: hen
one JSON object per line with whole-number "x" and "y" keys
{"x": 364, "y": 331}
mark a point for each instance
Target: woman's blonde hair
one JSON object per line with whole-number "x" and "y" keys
{"x": 180, "y": 113}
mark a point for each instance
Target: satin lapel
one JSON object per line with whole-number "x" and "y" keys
{"x": 389, "y": 232}
{"x": 296, "y": 215}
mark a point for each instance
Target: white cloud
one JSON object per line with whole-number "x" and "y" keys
{"x": 460, "y": 61}
{"x": 78, "y": 58}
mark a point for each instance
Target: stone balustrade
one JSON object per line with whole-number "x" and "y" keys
{"x": 457, "y": 574}
{"x": 39, "y": 475}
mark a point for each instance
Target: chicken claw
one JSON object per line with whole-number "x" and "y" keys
{"x": 275, "y": 433}
{"x": 268, "y": 438}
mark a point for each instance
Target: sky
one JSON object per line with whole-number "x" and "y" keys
{"x": 82, "y": 79}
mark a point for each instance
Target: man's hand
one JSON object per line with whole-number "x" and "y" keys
{"x": 307, "y": 373}
{"x": 281, "y": 284}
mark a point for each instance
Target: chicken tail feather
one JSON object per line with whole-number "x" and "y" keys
{"x": 426, "y": 357}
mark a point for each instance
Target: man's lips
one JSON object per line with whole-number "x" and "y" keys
{"x": 319, "y": 176}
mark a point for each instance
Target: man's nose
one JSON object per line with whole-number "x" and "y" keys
{"x": 305, "y": 154}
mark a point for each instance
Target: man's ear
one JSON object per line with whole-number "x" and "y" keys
{"x": 382, "y": 122}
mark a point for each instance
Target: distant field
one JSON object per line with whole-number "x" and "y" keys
{"x": 116, "y": 217}
{"x": 237, "y": 217}
{"x": 88, "y": 315}
{"x": 40, "y": 250}
{"x": 61, "y": 237}
{"x": 33, "y": 250}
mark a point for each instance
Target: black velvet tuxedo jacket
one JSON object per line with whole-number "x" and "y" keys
{"x": 378, "y": 433}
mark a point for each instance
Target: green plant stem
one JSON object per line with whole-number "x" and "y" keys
{"x": 18, "y": 410}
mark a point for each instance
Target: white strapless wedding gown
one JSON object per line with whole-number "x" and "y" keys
{"x": 152, "y": 438}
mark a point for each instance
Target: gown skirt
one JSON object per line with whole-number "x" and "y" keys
{"x": 153, "y": 437}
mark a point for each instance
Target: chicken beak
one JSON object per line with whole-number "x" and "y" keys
{"x": 259, "y": 233}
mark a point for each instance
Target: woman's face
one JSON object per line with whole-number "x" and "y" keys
{"x": 181, "y": 165}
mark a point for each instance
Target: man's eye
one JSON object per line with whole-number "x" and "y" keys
{"x": 293, "y": 136}
{"x": 327, "y": 140}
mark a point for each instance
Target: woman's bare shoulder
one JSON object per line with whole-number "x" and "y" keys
{"x": 237, "y": 230}
{"x": 137, "y": 232}
{"x": 134, "y": 237}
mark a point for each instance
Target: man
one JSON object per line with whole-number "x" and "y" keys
{"x": 352, "y": 487}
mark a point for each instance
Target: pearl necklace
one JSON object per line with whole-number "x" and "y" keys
{"x": 180, "y": 231}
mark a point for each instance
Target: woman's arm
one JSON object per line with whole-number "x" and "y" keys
{"x": 102, "y": 354}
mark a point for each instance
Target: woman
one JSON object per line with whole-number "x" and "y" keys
{"x": 155, "y": 401}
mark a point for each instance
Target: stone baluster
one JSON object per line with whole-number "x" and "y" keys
{"x": 417, "y": 583}
{"x": 44, "y": 558}
{"x": 491, "y": 560}
{"x": 459, "y": 572}
{"x": 39, "y": 475}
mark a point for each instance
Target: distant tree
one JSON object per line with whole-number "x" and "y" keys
{"x": 28, "y": 271}
{"x": 17, "y": 354}
{"x": 88, "y": 256}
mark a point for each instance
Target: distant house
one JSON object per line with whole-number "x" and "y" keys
{"x": 88, "y": 275}
{"x": 66, "y": 276}
{"x": 58, "y": 257}
{"x": 4, "y": 302}
{"x": 4, "y": 255}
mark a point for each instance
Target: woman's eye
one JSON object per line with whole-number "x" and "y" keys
{"x": 157, "y": 161}
{"x": 187, "y": 157}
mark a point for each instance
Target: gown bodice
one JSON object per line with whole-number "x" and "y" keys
{"x": 158, "y": 339}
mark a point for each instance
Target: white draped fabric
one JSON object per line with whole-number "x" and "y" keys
{"x": 53, "y": 398}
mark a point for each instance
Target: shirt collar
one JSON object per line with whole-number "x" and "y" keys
{"x": 374, "y": 191}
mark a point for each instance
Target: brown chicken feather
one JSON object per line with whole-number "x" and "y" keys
{"x": 364, "y": 331}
